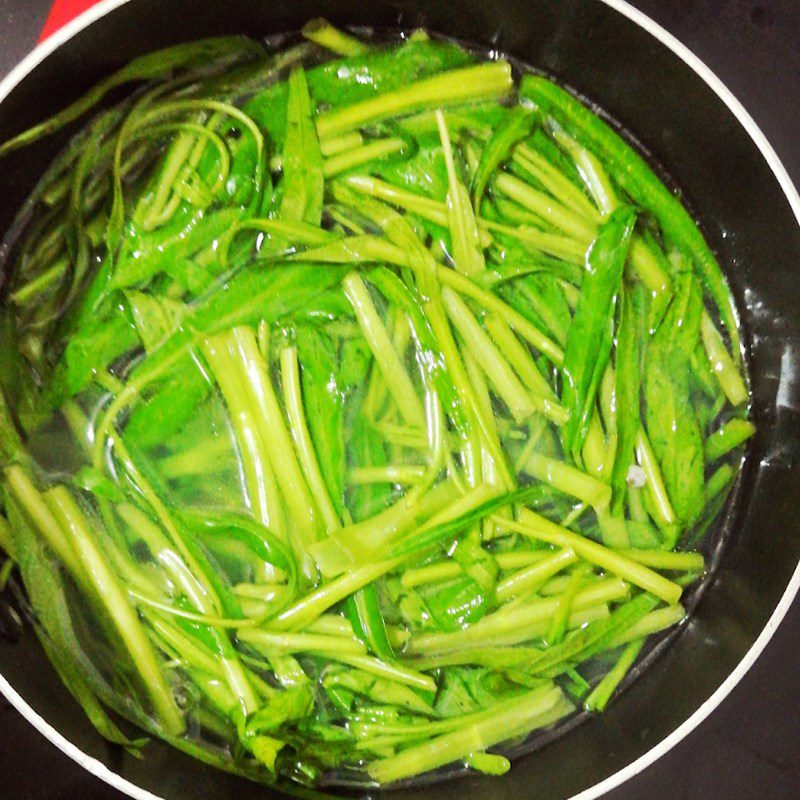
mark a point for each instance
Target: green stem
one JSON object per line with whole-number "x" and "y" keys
{"x": 358, "y": 156}
{"x": 601, "y": 694}
{"x": 652, "y": 623}
{"x": 545, "y": 207}
{"x": 536, "y": 526}
{"x": 528, "y": 580}
{"x": 308, "y": 608}
{"x": 503, "y": 721}
{"x": 725, "y": 370}
{"x": 497, "y": 369}
{"x": 322, "y": 33}
{"x": 518, "y": 622}
{"x": 290, "y": 378}
{"x": 386, "y": 358}
{"x": 272, "y": 426}
{"x": 663, "y": 559}
{"x": 554, "y": 181}
{"x": 470, "y": 83}
{"x": 492, "y": 303}
{"x": 569, "y": 480}
{"x": 262, "y": 488}
{"x": 269, "y": 643}
{"x": 107, "y": 591}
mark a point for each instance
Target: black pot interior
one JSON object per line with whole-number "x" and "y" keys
{"x": 682, "y": 123}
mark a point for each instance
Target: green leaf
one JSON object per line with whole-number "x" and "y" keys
{"x": 627, "y": 397}
{"x": 512, "y": 130}
{"x": 147, "y": 254}
{"x": 323, "y": 400}
{"x": 302, "y": 184}
{"x": 364, "y": 612}
{"x": 671, "y": 423}
{"x": 477, "y": 562}
{"x": 466, "y": 690}
{"x": 456, "y": 603}
{"x": 155, "y": 318}
{"x": 169, "y": 404}
{"x": 92, "y": 350}
{"x": 589, "y": 340}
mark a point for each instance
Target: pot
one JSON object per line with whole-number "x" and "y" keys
{"x": 749, "y": 211}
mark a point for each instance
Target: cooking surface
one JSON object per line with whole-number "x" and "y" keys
{"x": 750, "y": 747}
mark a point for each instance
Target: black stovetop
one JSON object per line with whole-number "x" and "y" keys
{"x": 749, "y": 749}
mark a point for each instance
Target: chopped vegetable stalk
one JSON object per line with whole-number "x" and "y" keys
{"x": 321, "y": 32}
{"x": 470, "y": 83}
{"x": 533, "y": 524}
{"x": 500, "y": 723}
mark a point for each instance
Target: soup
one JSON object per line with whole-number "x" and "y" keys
{"x": 366, "y": 403}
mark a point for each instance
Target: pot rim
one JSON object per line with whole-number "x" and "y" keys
{"x": 102, "y": 772}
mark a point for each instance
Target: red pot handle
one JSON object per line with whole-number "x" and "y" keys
{"x": 62, "y": 12}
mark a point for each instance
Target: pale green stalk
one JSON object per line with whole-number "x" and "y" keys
{"x": 454, "y": 653}
{"x": 31, "y": 503}
{"x": 725, "y": 371}
{"x": 513, "y": 559}
{"x": 307, "y": 609}
{"x": 545, "y": 206}
{"x": 273, "y": 430}
{"x": 538, "y": 527}
{"x": 392, "y": 672}
{"x": 322, "y": 33}
{"x": 491, "y": 303}
{"x": 554, "y": 181}
{"x": 591, "y": 171}
{"x": 293, "y": 400}
{"x": 503, "y": 721}
{"x": 25, "y": 293}
{"x": 338, "y": 144}
{"x": 469, "y": 83}
{"x": 529, "y": 579}
{"x": 601, "y": 694}
{"x": 332, "y": 625}
{"x": 161, "y": 551}
{"x": 560, "y": 622}
{"x": 569, "y": 480}
{"x": 271, "y": 643}
{"x": 497, "y": 369}
{"x": 528, "y": 619}
{"x": 594, "y": 448}
{"x": 401, "y": 473}
{"x": 108, "y": 592}
{"x": 731, "y": 435}
{"x": 655, "y": 483}
{"x": 262, "y": 487}
{"x": 350, "y": 159}
{"x": 195, "y": 592}
{"x": 467, "y": 251}
{"x": 551, "y": 244}
{"x": 665, "y": 559}
{"x": 522, "y": 362}
{"x": 6, "y": 538}
{"x": 386, "y": 358}
{"x": 431, "y": 210}
{"x": 652, "y": 623}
